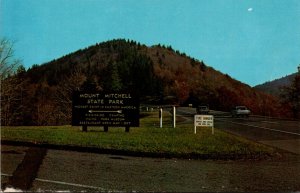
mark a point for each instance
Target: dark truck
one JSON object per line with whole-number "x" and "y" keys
{"x": 202, "y": 110}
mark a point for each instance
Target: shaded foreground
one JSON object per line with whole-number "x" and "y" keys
{"x": 75, "y": 171}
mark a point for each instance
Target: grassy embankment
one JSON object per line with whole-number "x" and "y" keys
{"x": 148, "y": 139}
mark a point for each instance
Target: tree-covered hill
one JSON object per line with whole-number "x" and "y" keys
{"x": 275, "y": 87}
{"x": 42, "y": 94}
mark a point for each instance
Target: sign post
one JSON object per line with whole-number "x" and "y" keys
{"x": 105, "y": 109}
{"x": 203, "y": 121}
{"x": 160, "y": 117}
{"x": 174, "y": 117}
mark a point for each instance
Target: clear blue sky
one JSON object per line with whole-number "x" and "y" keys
{"x": 251, "y": 40}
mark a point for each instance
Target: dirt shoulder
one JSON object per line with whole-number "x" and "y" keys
{"x": 278, "y": 155}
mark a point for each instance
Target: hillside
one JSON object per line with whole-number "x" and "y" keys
{"x": 274, "y": 87}
{"x": 157, "y": 74}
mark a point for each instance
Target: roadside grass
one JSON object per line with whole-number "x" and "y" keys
{"x": 148, "y": 138}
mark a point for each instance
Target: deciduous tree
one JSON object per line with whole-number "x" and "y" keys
{"x": 12, "y": 84}
{"x": 8, "y": 64}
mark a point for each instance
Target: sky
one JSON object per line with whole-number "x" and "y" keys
{"x": 253, "y": 41}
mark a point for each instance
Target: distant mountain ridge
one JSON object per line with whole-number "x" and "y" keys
{"x": 274, "y": 87}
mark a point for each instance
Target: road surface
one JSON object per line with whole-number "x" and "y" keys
{"x": 75, "y": 171}
{"x": 279, "y": 133}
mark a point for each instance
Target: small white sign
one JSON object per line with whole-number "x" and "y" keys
{"x": 203, "y": 121}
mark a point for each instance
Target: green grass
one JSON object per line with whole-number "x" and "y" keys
{"x": 148, "y": 138}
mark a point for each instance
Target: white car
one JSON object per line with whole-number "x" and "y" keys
{"x": 240, "y": 111}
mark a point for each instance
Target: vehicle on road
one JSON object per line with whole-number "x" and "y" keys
{"x": 202, "y": 110}
{"x": 240, "y": 111}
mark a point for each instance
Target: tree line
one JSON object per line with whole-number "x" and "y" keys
{"x": 42, "y": 95}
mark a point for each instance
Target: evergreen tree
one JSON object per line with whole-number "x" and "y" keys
{"x": 89, "y": 85}
{"x": 291, "y": 96}
{"x": 116, "y": 84}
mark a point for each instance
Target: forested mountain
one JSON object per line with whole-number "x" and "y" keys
{"x": 42, "y": 94}
{"x": 275, "y": 87}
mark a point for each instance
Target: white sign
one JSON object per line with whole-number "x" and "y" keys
{"x": 203, "y": 121}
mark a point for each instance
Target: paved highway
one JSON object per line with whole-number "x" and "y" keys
{"x": 76, "y": 171}
{"x": 279, "y": 133}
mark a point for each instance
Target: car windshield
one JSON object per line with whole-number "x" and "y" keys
{"x": 241, "y": 108}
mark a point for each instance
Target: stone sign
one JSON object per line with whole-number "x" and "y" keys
{"x": 105, "y": 109}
